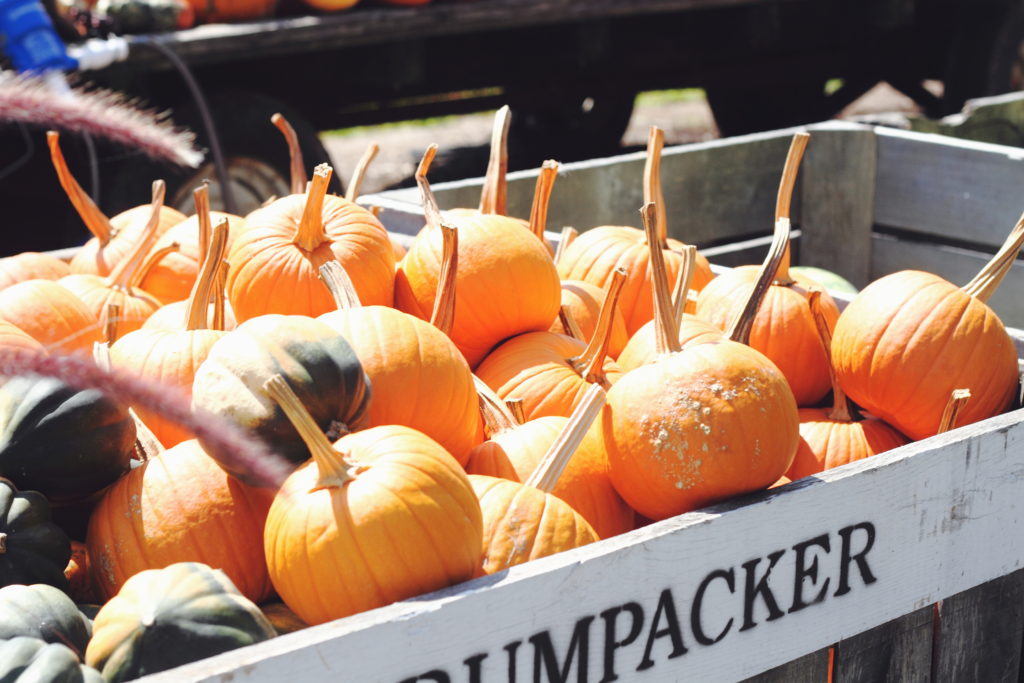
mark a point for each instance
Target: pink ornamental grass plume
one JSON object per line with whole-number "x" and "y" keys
{"x": 101, "y": 113}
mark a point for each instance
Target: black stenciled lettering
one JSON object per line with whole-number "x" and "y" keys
{"x": 727, "y": 575}
{"x": 666, "y": 609}
{"x": 610, "y": 617}
{"x": 435, "y": 675}
{"x": 513, "y": 656}
{"x": 803, "y": 571}
{"x": 545, "y": 660}
{"x": 753, "y": 589}
{"x": 860, "y": 557}
{"x": 473, "y": 664}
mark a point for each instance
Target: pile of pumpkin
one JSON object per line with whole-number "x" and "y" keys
{"x": 435, "y": 415}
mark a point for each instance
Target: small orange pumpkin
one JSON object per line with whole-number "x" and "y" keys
{"x": 31, "y": 265}
{"x": 52, "y": 315}
{"x": 583, "y": 301}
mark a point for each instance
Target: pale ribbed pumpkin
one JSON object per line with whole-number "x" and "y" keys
{"x": 383, "y": 515}
{"x": 12, "y": 337}
{"x": 31, "y": 265}
{"x": 52, "y": 315}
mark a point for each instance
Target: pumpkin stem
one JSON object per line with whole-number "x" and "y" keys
{"x": 121, "y": 275}
{"x": 957, "y": 400}
{"x": 684, "y": 278}
{"x": 219, "y": 295}
{"x": 197, "y": 310}
{"x": 358, "y": 175}
{"x": 431, "y": 212}
{"x": 545, "y": 476}
{"x": 841, "y": 410}
{"x": 515, "y": 406}
{"x": 785, "y": 197}
{"x": 443, "y": 315}
{"x": 494, "y": 196}
{"x": 569, "y": 235}
{"x": 666, "y": 325}
{"x": 988, "y": 279}
{"x": 590, "y": 364}
{"x": 151, "y": 262}
{"x": 201, "y": 198}
{"x": 94, "y": 219}
{"x": 497, "y": 416}
{"x": 542, "y": 197}
{"x": 653, "y": 192}
{"x": 741, "y": 326}
{"x": 310, "y": 233}
{"x": 569, "y": 324}
{"x": 333, "y": 471}
{"x": 298, "y": 166}
{"x": 110, "y": 322}
{"x": 340, "y": 285}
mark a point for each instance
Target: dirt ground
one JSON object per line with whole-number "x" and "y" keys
{"x": 402, "y": 145}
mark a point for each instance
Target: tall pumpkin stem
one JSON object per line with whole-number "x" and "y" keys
{"x": 515, "y": 406}
{"x": 359, "y": 174}
{"x": 123, "y": 272}
{"x": 333, "y": 471}
{"x": 542, "y": 197}
{"x": 684, "y": 279}
{"x": 95, "y": 220}
{"x": 957, "y": 400}
{"x": 297, "y": 165}
{"x": 197, "y": 311}
{"x": 590, "y": 364}
{"x": 741, "y": 326}
{"x": 443, "y": 315}
{"x": 666, "y": 325}
{"x": 494, "y": 196}
{"x": 988, "y": 279}
{"x": 201, "y": 198}
{"x": 569, "y": 324}
{"x": 569, "y": 235}
{"x": 310, "y": 233}
{"x": 339, "y": 284}
{"x": 653, "y": 191}
{"x": 841, "y": 410}
{"x": 550, "y": 468}
{"x": 110, "y": 323}
{"x": 219, "y": 295}
{"x": 151, "y": 262}
{"x": 431, "y": 212}
{"x": 784, "y": 201}
{"x": 496, "y": 415}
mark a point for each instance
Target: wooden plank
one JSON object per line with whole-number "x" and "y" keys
{"x": 899, "y": 651}
{"x": 888, "y": 535}
{"x": 838, "y": 202}
{"x": 812, "y": 668}
{"x": 956, "y": 265}
{"x": 946, "y": 188}
{"x": 980, "y": 633}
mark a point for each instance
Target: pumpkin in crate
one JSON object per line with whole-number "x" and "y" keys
{"x": 32, "y": 548}
{"x": 52, "y": 315}
{"x": 180, "y": 506}
{"x": 595, "y": 255}
{"x": 910, "y": 338}
{"x": 12, "y": 337}
{"x": 583, "y": 301}
{"x": 163, "y": 618}
{"x": 44, "y": 612}
{"x": 316, "y": 361}
{"x": 32, "y": 659}
{"x": 31, "y": 265}
{"x": 275, "y": 259}
{"x": 325, "y": 533}
{"x": 64, "y": 442}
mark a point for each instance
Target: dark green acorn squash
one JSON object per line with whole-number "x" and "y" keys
{"x": 32, "y": 548}
{"x": 163, "y": 618}
{"x": 30, "y": 659}
{"x": 43, "y": 612}
{"x": 66, "y": 444}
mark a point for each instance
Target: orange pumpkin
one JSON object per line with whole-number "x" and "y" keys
{"x": 31, "y": 265}
{"x": 583, "y": 301}
{"x": 52, "y": 315}
{"x": 12, "y": 337}
{"x": 275, "y": 259}
{"x": 910, "y": 338}
{"x": 331, "y": 534}
{"x": 180, "y": 506}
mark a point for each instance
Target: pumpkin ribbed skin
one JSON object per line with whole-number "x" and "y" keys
{"x": 35, "y": 549}
{"x": 826, "y": 443}
{"x": 31, "y": 659}
{"x": 31, "y": 265}
{"x": 180, "y": 506}
{"x": 163, "y": 618}
{"x": 506, "y": 282}
{"x": 406, "y": 524}
{"x": 134, "y": 305}
{"x": 43, "y": 612}
{"x": 544, "y": 524}
{"x": 534, "y": 367}
{"x": 52, "y": 315}
{"x": 316, "y": 361}
{"x": 595, "y": 254}
{"x": 584, "y": 484}
{"x": 418, "y": 376}
{"x": 642, "y": 347}
{"x": 910, "y": 338}
{"x": 12, "y": 337}
{"x": 698, "y": 426}
{"x": 272, "y": 274}
{"x": 584, "y": 301}
{"x": 96, "y": 258}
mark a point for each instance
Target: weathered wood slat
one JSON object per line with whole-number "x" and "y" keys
{"x": 812, "y": 668}
{"x": 898, "y": 651}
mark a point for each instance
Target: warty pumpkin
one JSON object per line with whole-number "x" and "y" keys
{"x": 32, "y": 548}
{"x": 383, "y": 515}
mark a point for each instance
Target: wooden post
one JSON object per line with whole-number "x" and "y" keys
{"x": 898, "y": 650}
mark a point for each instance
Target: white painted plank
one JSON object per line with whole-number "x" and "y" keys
{"x": 947, "y": 514}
